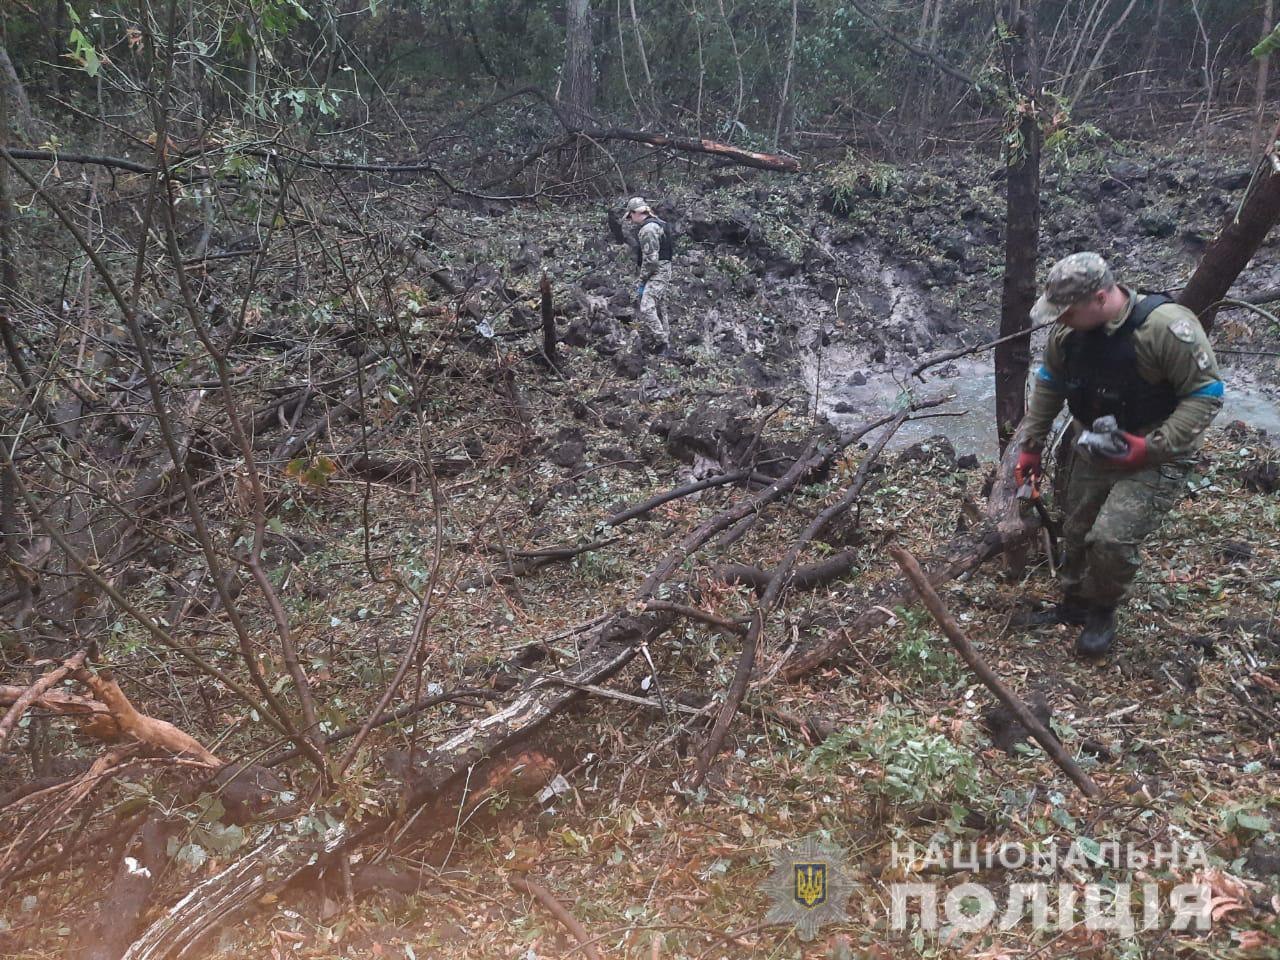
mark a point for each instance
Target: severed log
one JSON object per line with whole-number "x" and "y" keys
{"x": 179, "y": 930}
{"x": 695, "y": 613}
{"x": 938, "y": 610}
{"x": 748, "y": 158}
{"x": 805, "y": 577}
{"x": 57, "y": 702}
{"x": 1006, "y": 511}
{"x": 149, "y": 730}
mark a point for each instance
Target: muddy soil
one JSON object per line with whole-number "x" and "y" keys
{"x": 830, "y": 296}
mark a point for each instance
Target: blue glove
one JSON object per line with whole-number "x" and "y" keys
{"x": 640, "y": 292}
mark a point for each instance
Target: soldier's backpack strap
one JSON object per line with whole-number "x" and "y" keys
{"x": 1147, "y": 302}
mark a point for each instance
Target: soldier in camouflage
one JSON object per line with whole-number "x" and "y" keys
{"x": 1147, "y": 362}
{"x": 653, "y": 255}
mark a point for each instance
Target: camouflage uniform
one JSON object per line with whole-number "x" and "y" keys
{"x": 1111, "y": 509}
{"x": 655, "y": 274}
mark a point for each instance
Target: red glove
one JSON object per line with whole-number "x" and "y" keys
{"x": 1028, "y": 466}
{"x": 1136, "y": 456}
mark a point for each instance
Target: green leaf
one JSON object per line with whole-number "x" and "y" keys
{"x": 1253, "y": 821}
{"x": 1267, "y": 44}
{"x": 83, "y": 52}
{"x": 1091, "y": 849}
{"x": 1062, "y": 818}
{"x": 225, "y": 840}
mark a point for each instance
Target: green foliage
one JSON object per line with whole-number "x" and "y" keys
{"x": 1246, "y": 821}
{"x": 83, "y": 53}
{"x": 918, "y": 766}
{"x": 856, "y": 176}
{"x": 1267, "y": 44}
{"x": 921, "y": 654}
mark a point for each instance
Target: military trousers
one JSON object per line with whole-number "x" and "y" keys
{"x": 653, "y": 306}
{"x": 1109, "y": 512}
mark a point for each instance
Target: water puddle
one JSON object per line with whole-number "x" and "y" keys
{"x": 850, "y": 391}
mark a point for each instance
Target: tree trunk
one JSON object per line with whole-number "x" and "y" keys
{"x": 737, "y": 62}
{"x": 644, "y": 59}
{"x": 1237, "y": 242}
{"x": 15, "y": 95}
{"x": 1022, "y": 229}
{"x": 786, "y": 77}
{"x": 1264, "y": 61}
{"x": 578, "y": 80}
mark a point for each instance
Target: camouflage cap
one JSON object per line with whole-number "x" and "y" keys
{"x": 1071, "y": 280}
{"x": 637, "y": 205}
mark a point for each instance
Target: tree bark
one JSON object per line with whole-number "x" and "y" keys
{"x": 577, "y": 81}
{"x": 644, "y": 59}
{"x": 786, "y": 77}
{"x": 1264, "y": 62}
{"x": 1022, "y": 230}
{"x": 122, "y": 911}
{"x": 19, "y": 105}
{"x": 1237, "y": 241}
{"x": 748, "y": 158}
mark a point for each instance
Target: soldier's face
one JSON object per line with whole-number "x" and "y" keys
{"x": 1088, "y": 314}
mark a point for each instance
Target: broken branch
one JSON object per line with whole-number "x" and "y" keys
{"x": 937, "y": 609}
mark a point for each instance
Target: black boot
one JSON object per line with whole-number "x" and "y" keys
{"x": 1069, "y": 610}
{"x": 1099, "y": 633}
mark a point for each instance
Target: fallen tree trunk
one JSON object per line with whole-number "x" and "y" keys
{"x": 54, "y": 701}
{"x": 748, "y": 158}
{"x": 1237, "y": 242}
{"x": 806, "y": 577}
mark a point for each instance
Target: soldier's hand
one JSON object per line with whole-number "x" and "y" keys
{"x": 1136, "y": 456}
{"x": 1029, "y": 467}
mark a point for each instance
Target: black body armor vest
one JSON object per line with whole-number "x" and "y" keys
{"x": 1102, "y": 374}
{"x": 666, "y": 246}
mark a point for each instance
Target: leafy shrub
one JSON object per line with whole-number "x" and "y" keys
{"x": 921, "y": 653}
{"x": 918, "y": 766}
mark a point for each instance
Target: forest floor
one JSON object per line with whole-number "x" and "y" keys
{"x": 816, "y": 294}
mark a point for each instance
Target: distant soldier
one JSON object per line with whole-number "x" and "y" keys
{"x": 653, "y": 256}
{"x": 1145, "y": 361}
